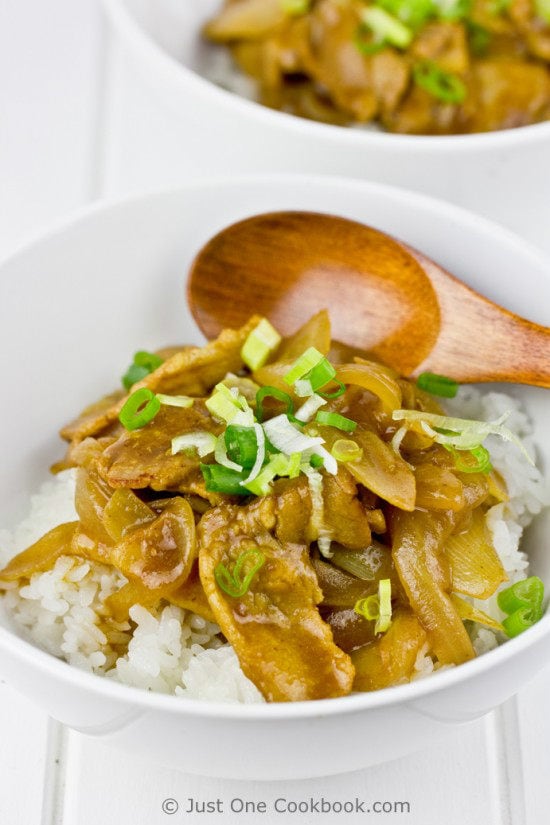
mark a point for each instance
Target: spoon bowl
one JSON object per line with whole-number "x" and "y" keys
{"x": 383, "y": 296}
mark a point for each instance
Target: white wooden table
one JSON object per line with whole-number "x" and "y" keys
{"x": 493, "y": 772}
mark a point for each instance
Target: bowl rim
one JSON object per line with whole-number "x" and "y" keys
{"x": 143, "y": 44}
{"x": 38, "y": 659}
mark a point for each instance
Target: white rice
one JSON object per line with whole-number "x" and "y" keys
{"x": 178, "y": 652}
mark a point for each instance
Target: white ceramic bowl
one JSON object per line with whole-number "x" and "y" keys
{"x": 165, "y": 125}
{"x": 73, "y": 304}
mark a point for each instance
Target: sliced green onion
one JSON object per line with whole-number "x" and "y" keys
{"x": 542, "y": 8}
{"x": 480, "y": 454}
{"x": 345, "y": 450}
{"x": 286, "y": 438}
{"x": 365, "y": 43}
{"x": 316, "y": 462}
{"x": 321, "y": 374}
{"x": 260, "y": 455}
{"x": 295, "y": 8}
{"x": 303, "y": 388}
{"x": 377, "y": 607}
{"x": 143, "y": 364}
{"x": 454, "y": 10}
{"x": 523, "y": 602}
{"x": 336, "y": 394}
{"x": 437, "y": 384}
{"x": 317, "y": 520}
{"x": 309, "y": 408}
{"x": 368, "y": 608}
{"x": 444, "y": 86}
{"x": 525, "y": 593}
{"x": 387, "y": 27}
{"x": 220, "y": 479}
{"x": 332, "y": 419}
{"x": 133, "y": 374}
{"x": 462, "y": 433}
{"x": 148, "y": 360}
{"x": 260, "y": 344}
{"x": 223, "y": 404}
{"x": 413, "y": 13}
{"x": 306, "y": 362}
{"x": 236, "y": 583}
{"x": 220, "y": 454}
{"x": 278, "y": 395}
{"x": 293, "y": 467}
{"x": 261, "y": 485}
{"x": 384, "y": 599}
{"x": 139, "y": 409}
{"x": 242, "y": 445}
{"x": 479, "y": 38}
{"x": 201, "y": 442}
{"x": 521, "y": 620}
{"x": 175, "y": 400}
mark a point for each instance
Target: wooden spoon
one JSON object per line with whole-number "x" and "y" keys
{"x": 382, "y": 296}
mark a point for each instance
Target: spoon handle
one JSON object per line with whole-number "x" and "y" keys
{"x": 480, "y": 341}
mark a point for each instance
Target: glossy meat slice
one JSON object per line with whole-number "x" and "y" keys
{"x": 143, "y": 458}
{"x": 191, "y": 371}
{"x": 509, "y": 93}
{"x": 283, "y": 645}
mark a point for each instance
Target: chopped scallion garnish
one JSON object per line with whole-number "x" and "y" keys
{"x": 332, "y": 419}
{"x": 413, "y": 13}
{"x": 522, "y": 602}
{"x": 437, "y": 384}
{"x": 386, "y": 27}
{"x": 260, "y": 455}
{"x": 461, "y": 433}
{"x": 183, "y": 401}
{"x": 260, "y": 344}
{"x": 444, "y": 86}
{"x": 336, "y": 394}
{"x": 481, "y": 463}
{"x": 366, "y": 43}
{"x": 368, "y": 608}
{"x": 321, "y": 374}
{"x": 201, "y": 442}
{"x": 542, "y": 8}
{"x": 220, "y": 479}
{"x": 143, "y": 364}
{"x": 345, "y": 451}
{"x": 377, "y": 607}
{"x": 237, "y": 582}
{"x": 140, "y": 408}
{"x": 222, "y": 404}
{"x": 525, "y": 593}
{"x": 306, "y": 362}
{"x": 261, "y": 485}
{"x": 295, "y": 8}
{"x": 278, "y": 395}
{"x": 309, "y": 408}
{"x": 241, "y": 444}
{"x": 220, "y": 454}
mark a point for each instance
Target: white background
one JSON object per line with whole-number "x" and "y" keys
{"x": 495, "y": 772}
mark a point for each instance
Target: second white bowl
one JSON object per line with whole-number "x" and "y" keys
{"x": 166, "y": 124}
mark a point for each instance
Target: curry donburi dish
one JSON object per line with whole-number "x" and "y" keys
{"x": 426, "y": 67}
{"x": 280, "y": 519}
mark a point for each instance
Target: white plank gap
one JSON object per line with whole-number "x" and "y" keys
{"x": 23, "y": 759}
